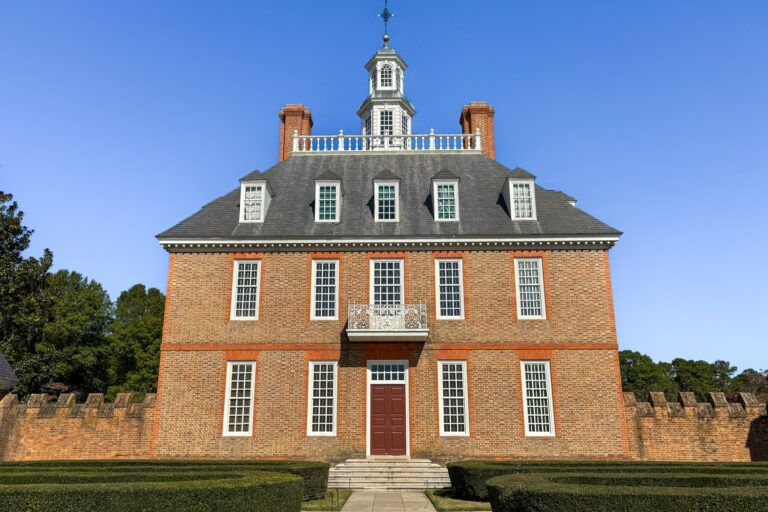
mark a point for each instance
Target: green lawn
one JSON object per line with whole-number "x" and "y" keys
{"x": 334, "y": 500}
{"x": 443, "y": 501}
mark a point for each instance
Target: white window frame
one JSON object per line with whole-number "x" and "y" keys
{"x": 376, "y": 187}
{"x": 371, "y": 277}
{"x": 313, "y": 301}
{"x": 225, "y": 429}
{"x": 318, "y": 185}
{"x": 463, "y": 363}
{"x": 455, "y": 184}
{"x": 438, "y": 315}
{"x": 233, "y": 306}
{"x": 520, "y": 316}
{"x": 511, "y": 194}
{"x": 391, "y": 114}
{"x": 310, "y": 386}
{"x": 550, "y": 399}
{"x": 391, "y": 68}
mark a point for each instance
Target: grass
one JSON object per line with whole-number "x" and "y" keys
{"x": 334, "y": 500}
{"x": 444, "y": 501}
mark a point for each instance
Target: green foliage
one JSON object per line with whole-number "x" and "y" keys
{"x": 639, "y": 373}
{"x": 445, "y": 500}
{"x": 637, "y": 489}
{"x": 24, "y": 307}
{"x": 183, "y": 489}
{"x": 334, "y": 500}
{"x": 749, "y": 381}
{"x": 313, "y": 474}
{"x": 134, "y": 345}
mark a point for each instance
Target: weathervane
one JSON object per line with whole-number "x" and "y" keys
{"x": 385, "y": 15}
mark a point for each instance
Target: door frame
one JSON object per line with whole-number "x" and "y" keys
{"x": 368, "y": 365}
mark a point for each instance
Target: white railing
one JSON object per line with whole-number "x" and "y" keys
{"x": 358, "y": 143}
{"x": 387, "y": 317}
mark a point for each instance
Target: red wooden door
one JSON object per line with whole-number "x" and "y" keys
{"x": 388, "y": 429}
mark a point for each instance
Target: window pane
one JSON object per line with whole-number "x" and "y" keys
{"x": 247, "y": 289}
{"x": 522, "y": 201}
{"x": 446, "y": 202}
{"x": 537, "y": 397}
{"x": 529, "y": 287}
{"x": 387, "y": 202}
{"x": 386, "y": 76}
{"x": 453, "y": 399}
{"x": 387, "y": 282}
{"x": 325, "y": 289}
{"x": 239, "y": 411}
{"x": 252, "y": 202}
{"x": 449, "y": 287}
{"x": 386, "y": 124}
{"x": 388, "y": 372}
{"x": 327, "y": 202}
{"x": 323, "y": 397}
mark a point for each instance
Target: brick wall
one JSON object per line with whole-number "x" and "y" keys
{"x": 37, "y": 430}
{"x": 698, "y": 432}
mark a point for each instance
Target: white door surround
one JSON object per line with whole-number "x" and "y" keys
{"x": 382, "y": 376}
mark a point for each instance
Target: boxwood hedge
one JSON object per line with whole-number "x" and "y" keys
{"x": 628, "y": 492}
{"x": 107, "y": 490}
{"x": 314, "y": 474}
{"x": 468, "y": 478}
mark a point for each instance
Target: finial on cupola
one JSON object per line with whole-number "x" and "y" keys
{"x": 385, "y": 15}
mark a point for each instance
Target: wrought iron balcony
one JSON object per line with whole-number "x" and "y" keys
{"x": 464, "y": 142}
{"x": 387, "y": 322}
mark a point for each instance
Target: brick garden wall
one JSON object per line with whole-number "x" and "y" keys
{"x": 37, "y": 430}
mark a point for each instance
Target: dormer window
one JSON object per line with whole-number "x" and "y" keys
{"x": 386, "y": 75}
{"x": 522, "y": 204}
{"x": 254, "y": 200}
{"x": 386, "y": 201}
{"x": 327, "y": 198}
{"x": 446, "y": 200}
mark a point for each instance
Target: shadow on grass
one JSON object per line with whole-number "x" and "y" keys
{"x": 444, "y": 501}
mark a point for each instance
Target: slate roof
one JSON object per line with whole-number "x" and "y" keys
{"x": 482, "y": 209}
{"x": 8, "y": 378}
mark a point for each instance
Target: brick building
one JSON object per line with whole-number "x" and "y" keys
{"x": 390, "y": 294}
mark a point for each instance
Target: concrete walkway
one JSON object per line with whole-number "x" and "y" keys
{"x": 388, "y": 501}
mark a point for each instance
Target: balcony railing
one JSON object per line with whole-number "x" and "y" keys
{"x": 466, "y": 142}
{"x": 387, "y": 322}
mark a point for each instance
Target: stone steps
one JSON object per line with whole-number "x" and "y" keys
{"x": 388, "y": 474}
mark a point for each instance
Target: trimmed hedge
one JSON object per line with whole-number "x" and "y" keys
{"x": 468, "y": 478}
{"x": 314, "y": 474}
{"x": 627, "y": 492}
{"x": 180, "y": 491}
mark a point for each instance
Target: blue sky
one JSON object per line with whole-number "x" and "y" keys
{"x": 118, "y": 119}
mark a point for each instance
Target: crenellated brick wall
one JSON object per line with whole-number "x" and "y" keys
{"x": 39, "y": 430}
{"x": 688, "y": 430}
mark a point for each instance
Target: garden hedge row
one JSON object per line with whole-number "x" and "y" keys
{"x": 182, "y": 491}
{"x": 468, "y": 478}
{"x": 627, "y": 492}
{"x": 314, "y": 474}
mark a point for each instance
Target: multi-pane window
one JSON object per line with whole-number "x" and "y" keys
{"x": 386, "y": 125}
{"x": 238, "y": 414}
{"x": 530, "y": 289}
{"x": 386, "y": 282}
{"x": 446, "y": 201}
{"x": 404, "y": 124}
{"x": 388, "y": 372}
{"x": 325, "y": 289}
{"x": 367, "y": 129}
{"x": 537, "y": 389}
{"x": 373, "y": 79}
{"x": 253, "y": 202}
{"x": 386, "y": 202}
{"x": 386, "y": 75}
{"x": 245, "y": 289}
{"x": 322, "y": 398}
{"x": 399, "y": 79}
{"x": 522, "y": 201}
{"x": 327, "y": 203}
{"x": 449, "y": 288}
{"x": 453, "y": 397}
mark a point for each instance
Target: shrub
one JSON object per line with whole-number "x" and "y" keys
{"x": 182, "y": 491}
{"x": 314, "y": 474}
{"x": 627, "y": 492}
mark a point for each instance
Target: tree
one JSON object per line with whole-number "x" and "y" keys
{"x": 24, "y": 306}
{"x": 640, "y": 374}
{"x": 134, "y": 345}
{"x": 749, "y": 381}
{"x": 702, "y": 377}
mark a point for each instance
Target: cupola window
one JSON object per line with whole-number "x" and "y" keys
{"x": 404, "y": 123}
{"x": 373, "y": 79}
{"x": 399, "y": 79}
{"x": 386, "y": 125}
{"x": 386, "y": 75}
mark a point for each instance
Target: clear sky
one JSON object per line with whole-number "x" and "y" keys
{"x": 119, "y": 119}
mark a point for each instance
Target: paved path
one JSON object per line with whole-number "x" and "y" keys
{"x": 388, "y": 501}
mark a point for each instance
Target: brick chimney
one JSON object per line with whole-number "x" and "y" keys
{"x": 293, "y": 118}
{"x": 479, "y": 114}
